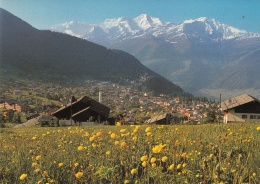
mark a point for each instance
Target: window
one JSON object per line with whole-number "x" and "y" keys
{"x": 252, "y": 116}
{"x": 244, "y": 116}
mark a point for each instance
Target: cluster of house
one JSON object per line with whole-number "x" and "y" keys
{"x": 127, "y": 99}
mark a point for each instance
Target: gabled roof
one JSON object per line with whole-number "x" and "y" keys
{"x": 82, "y": 109}
{"x": 237, "y": 101}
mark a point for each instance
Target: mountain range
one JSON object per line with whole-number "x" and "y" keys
{"x": 203, "y": 56}
{"x": 26, "y": 52}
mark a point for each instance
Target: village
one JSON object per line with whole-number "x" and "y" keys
{"x": 23, "y": 100}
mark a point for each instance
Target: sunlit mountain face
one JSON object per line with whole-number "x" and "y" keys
{"x": 204, "y": 56}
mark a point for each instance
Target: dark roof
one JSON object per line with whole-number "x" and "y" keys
{"x": 82, "y": 109}
{"x": 237, "y": 101}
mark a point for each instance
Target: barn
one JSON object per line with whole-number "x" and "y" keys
{"x": 241, "y": 109}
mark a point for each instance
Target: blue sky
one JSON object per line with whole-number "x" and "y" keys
{"x": 42, "y": 14}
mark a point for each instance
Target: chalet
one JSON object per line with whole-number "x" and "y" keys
{"x": 82, "y": 110}
{"x": 241, "y": 108}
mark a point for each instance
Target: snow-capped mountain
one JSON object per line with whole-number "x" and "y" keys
{"x": 201, "y": 55}
{"x": 203, "y": 29}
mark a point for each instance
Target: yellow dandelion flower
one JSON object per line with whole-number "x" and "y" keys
{"x": 126, "y": 181}
{"x": 134, "y": 138}
{"x": 164, "y": 159}
{"x": 148, "y": 134}
{"x": 258, "y": 128}
{"x": 113, "y": 135}
{"x": 184, "y": 165}
{"x": 144, "y": 163}
{"x": 133, "y": 171}
{"x": 23, "y": 177}
{"x": 118, "y": 123}
{"x": 38, "y": 157}
{"x": 154, "y": 165}
{"x": 171, "y": 167}
{"x": 60, "y": 164}
{"x": 44, "y": 174}
{"x": 178, "y": 166}
{"x": 144, "y": 158}
{"x": 80, "y": 148}
{"x": 76, "y": 164}
{"x": 122, "y": 130}
{"x": 123, "y": 144}
{"x": 108, "y": 153}
{"x": 158, "y": 148}
{"x": 153, "y": 159}
{"x": 99, "y": 134}
{"x": 78, "y": 175}
{"x": 34, "y": 164}
{"x": 148, "y": 129}
{"x": 37, "y": 170}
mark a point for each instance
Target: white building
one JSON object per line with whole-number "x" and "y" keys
{"x": 241, "y": 108}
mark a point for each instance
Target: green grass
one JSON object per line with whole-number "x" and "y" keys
{"x": 123, "y": 154}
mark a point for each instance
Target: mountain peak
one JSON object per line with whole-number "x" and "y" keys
{"x": 146, "y": 21}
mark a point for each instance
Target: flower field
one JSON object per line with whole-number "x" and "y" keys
{"x": 131, "y": 154}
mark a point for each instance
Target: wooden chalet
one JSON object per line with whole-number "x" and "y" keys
{"x": 241, "y": 108}
{"x": 82, "y": 110}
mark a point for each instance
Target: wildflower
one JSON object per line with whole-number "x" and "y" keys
{"x": 113, "y": 135}
{"x": 184, "y": 154}
{"x": 211, "y": 155}
{"x": 23, "y": 177}
{"x": 258, "y": 128}
{"x": 178, "y": 166}
{"x": 144, "y": 158}
{"x": 164, "y": 159}
{"x": 80, "y": 148}
{"x": 116, "y": 142}
{"x": 171, "y": 167}
{"x": 134, "y": 138}
{"x": 254, "y": 174}
{"x": 118, "y": 123}
{"x": 148, "y": 134}
{"x": 108, "y": 153}
{"x": 31, "y": 152}
{"x": 34, "y": 164}
{"x": 126, "y": 181}
{"x": 153, "y": 159}
{"x": 144, "y": 163}
{"x": 78, "y": 175}
{"x": 122, "y": 130}
{"x": 99, "y": 134}
{"x": 44, "y": 174}
{"x": 60, "y": 164}
{"x": 148, "y": 129}
{"x": 37, "y": 170}
{"x": 123, "y": 144}
{"x": 133, "y": 171}
{"x": 38, "y": 157}
{"x": 184, "y": 165}
{"x": 158, "y": 148}
{"x": 76, "y": 164}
